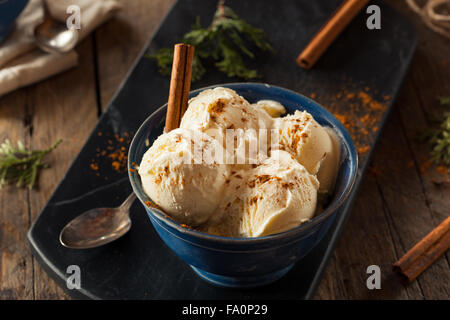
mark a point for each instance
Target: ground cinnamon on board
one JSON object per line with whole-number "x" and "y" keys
{"x": 115, "y": 153}
{"x": 359, "y": 112}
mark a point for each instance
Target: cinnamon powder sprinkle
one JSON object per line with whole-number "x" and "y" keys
{"x": 442, "y": 169}
{"x": 363, "y": 149}
{"x": 359, "y": 112}
{"x": 218, "y": 107}
{"x": 186, "y": 226}
{"x": 148, "y": 203}
{"x": 115, "y": 152}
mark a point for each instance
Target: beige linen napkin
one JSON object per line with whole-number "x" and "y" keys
{"x": 22, "y": 63}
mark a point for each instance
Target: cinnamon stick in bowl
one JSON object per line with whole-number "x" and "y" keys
{"x": 424, "y": 253}
{"x": 329, "y": 32}
{"x": 180, "y": 85}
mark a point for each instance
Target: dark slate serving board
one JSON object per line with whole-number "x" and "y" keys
{"x": 139, "y": 265}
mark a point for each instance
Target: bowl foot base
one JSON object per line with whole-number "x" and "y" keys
{"x": 241, "y": 282}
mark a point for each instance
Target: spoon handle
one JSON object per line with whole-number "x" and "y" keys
{"x": 125, "y": 206}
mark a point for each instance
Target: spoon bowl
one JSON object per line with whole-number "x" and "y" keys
{"x": 53, "y": 36}
{"x": 97, "y": 227}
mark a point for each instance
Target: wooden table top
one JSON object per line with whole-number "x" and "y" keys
{"x": 401, "y": 198}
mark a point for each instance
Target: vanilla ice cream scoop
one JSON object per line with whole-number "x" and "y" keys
{"x": 276, "y": 196}
{"x": 315, "y": 147}
{"x": 282, "y": 194}
{"x": 181, "y": 174}
{"x": 230, "y": 119}
{"x": 219, "y": 109}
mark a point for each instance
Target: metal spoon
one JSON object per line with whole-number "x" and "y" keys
{"x": 53, "y": 36}
{"x": 97, "y": 227}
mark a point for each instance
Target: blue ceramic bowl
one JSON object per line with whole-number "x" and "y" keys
{"x": 9, "y": 11}
{"x": 247, "y": 262}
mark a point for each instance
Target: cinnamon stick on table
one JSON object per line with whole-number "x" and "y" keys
{"x": 424, "y": 253}
{"x": 329, "y": 32}
{"x": 180, "y": 85}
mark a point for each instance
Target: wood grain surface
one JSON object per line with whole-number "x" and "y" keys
{"x": 401, "y": 199}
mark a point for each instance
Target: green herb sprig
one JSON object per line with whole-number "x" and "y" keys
{"x": 226, "y": 41}
{"x": 17, "y": 164}
{"x": 439, "y": 138}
